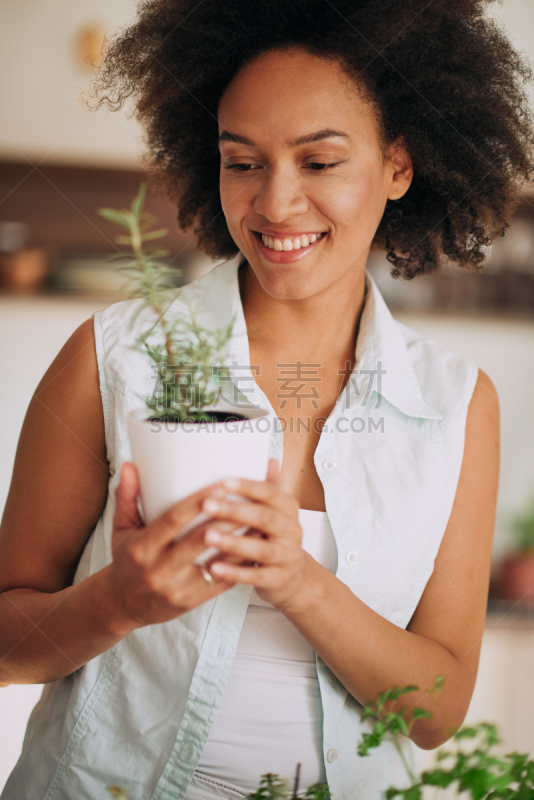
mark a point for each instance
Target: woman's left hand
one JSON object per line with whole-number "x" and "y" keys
{"x": 282, "y": 563}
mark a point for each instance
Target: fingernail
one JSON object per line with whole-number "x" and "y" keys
{"x": 232, "y": 483}
{"x": 219, "y": 568}
{"x": 212, "y": 537}
{"x": 211, "y": 505}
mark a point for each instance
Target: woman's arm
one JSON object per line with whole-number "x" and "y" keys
{"x": 57, "y": 494}
{"x": 49, "y": 628}
{"x": 366, "y": 652}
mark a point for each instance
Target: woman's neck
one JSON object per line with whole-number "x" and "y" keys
{"x": 323, "y": 326}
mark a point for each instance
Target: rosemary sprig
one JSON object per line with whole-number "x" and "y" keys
{"x": 188, "y": 365}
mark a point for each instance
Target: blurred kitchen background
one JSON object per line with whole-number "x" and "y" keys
{"x": 59, "y": 162}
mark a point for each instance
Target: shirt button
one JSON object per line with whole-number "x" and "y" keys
{"x": 331, "y": 755}
{"x": 329, "y": 465}
{"x": 351, "y": 557}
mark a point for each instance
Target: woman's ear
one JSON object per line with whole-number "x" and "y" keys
{"x": 401, "y": 170}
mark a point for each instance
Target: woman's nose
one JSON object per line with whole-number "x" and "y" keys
{"x": 279, "y": 195}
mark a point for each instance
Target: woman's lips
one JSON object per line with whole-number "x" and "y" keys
{"x": 284, "y": 256}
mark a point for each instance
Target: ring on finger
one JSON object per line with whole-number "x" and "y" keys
{"x": 206, "y": 574}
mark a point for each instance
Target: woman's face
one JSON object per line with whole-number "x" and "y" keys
{"x": 301, "y": 157}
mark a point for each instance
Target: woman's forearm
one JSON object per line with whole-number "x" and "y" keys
{"x": 369, "y": 654}
{"x": 44, "y": 637}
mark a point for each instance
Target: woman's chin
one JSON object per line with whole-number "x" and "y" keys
{"x": 285, "y": 281}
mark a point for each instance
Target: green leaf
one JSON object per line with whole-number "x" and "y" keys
{"x": 438, "y": 777}
{"x": 138, "y": 201}
{"x": 146, "y": 219}
{"x": 412, "y": 793}
{"x": 368, "y": 742}
{"x": 380, "y": 728}
{"x": 394, "y": 694}
{"x": 402, "y": 726}
{"x": 119, "y": 257}
{"x": 367, "y": 712}
{"x": 317, "y": 791}
{"x": 421, "y": 713}
{"x": 154, "y": 234}
{"x": 477, "y": 781}
{"x": 466, "y": 733}
{"x": 518, "y": 763}
{"x": 159, "y": 252}
{"x": 271, "y": 788}
{"x": 524, "y": 792}
{"x": 118, "y": 217}
{"x": 491, "y": 735}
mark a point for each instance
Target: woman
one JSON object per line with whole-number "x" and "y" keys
{"x": 338, "y": 125}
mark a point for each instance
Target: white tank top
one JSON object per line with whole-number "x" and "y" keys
{"x": 273, "y": 680}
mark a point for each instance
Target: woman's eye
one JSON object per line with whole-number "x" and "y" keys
{"x": 318, "y": 166}
{"x": 239, "y": 167}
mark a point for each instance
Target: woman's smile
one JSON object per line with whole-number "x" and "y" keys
{"x": 285, "y": 249}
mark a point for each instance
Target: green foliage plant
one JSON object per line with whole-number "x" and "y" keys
{"x": 188, "y": 362}
{"x": 392, "y": 725}
{"x": 472, "y": 767}
{"x": 523, "y": 530}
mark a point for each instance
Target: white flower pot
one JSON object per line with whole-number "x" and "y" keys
{"x": 175, "y": 459}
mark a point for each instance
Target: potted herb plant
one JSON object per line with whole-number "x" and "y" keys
{"x": 472, "y": 768}
{"x": 514, "y": 579}
{"x": 184, "y": 436}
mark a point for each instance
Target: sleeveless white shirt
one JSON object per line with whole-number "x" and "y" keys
{"x": 389, "y": 459}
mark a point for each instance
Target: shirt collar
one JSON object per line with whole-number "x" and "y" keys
{"x": 381, "y": 354}
{"x": 381, "y": 351}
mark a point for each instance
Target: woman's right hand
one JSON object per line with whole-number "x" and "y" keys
{"x": 153, "y": 577}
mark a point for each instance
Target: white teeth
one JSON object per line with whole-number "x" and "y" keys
{"x": 290, "y": 244}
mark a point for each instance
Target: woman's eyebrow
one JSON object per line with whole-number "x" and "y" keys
{"x": 228, "y": 136}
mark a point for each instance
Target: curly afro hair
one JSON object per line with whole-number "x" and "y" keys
{"x": 442, "y": 75}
